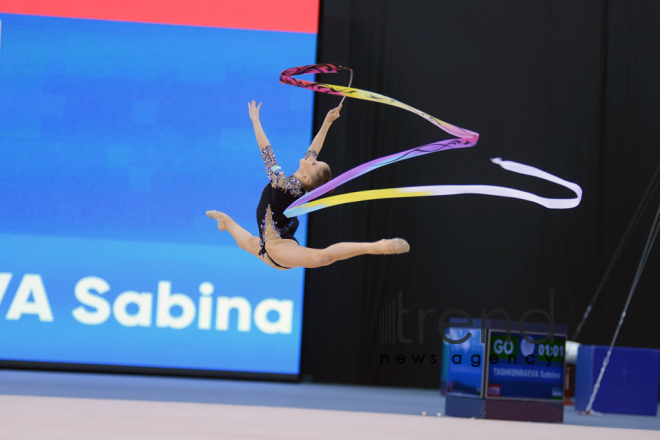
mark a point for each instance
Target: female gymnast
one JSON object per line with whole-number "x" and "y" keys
{"x": 277, "y": 245}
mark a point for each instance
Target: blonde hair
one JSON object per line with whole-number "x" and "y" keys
{"x": 319, "y": 178}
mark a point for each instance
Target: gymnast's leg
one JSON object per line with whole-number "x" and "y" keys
{"x": 288, "y": 253}
{"x": 244, "y": 239}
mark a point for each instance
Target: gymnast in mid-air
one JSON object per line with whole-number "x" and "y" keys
{"x": 276, "y": 245}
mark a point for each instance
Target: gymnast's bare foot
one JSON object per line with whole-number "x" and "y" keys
{"x": 392, "y": 246}
{"x": 220, "y": 217}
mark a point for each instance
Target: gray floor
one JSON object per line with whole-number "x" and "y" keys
{"x": 236, "y": 392}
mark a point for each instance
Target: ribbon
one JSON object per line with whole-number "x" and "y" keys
{"x": 464, "y": 139}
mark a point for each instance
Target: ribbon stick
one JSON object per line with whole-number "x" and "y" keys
{"x": 465, "y": 139}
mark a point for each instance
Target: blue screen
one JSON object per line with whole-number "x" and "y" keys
{"x": 116, "y": 138}
{"x": 464, "y": 362}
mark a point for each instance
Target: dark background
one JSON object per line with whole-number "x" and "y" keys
{"x": 571, "y": 87}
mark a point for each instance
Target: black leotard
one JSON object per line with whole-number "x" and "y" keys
{"x": 281, "y": 192}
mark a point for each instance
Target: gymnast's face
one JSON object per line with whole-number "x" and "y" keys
{"x": 310, "y": 168}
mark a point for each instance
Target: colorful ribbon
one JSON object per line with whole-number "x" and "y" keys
{"x": 465, "y": 139}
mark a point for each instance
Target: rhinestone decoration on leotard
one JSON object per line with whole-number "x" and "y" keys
{"x": 312, "y": 154}
{"x": 266, "y": 222}
{"x": 276, "y": 175}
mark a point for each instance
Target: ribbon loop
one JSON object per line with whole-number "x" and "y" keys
{"x": 465, "y": 139}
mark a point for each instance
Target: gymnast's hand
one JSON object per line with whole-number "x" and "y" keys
{"x": 254, "y": 110}
{"x": 332, "y": 115}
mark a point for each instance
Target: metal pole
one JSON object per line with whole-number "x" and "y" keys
{"x": 641, "y": 208}
{"x": 645, "y": 254}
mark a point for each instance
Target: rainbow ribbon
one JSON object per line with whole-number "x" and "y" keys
{"x": 464, "y": 139}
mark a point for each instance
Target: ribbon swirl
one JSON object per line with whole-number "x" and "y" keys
{"x": 464, "y": 139}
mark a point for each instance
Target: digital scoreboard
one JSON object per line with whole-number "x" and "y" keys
{"x": 520, "y": 369}
{"x": 506, "y": 367}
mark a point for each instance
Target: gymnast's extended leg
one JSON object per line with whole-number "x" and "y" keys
{"x": 289, "y": 253}
{"x": 244, "y": 239}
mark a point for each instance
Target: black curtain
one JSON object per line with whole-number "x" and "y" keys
{"x": 569, "y": 87}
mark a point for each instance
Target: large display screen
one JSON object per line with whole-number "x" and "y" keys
{"x": 519, "y": 369}
{"x": 121, "y": 124}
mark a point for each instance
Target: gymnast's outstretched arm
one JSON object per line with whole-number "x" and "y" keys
{"x": 317, "y": 143}
{"x": 275, "y": 174}
{"x": 262, "y": 140}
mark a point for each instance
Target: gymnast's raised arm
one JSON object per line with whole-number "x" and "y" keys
{"x": 275, "y": 174}
{"x": 262, "y": 140}
{"x": 317, "y": 143}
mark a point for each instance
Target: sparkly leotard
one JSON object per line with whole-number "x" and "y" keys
{"x": 281, "y": 192}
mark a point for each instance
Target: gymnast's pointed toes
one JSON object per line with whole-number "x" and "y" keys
{"x": 221, "y": 217}
{"x": 392, "y": 246}
{"x": 400, "y": 246}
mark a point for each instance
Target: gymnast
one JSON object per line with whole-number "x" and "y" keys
{"x": 276, "y": 245}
